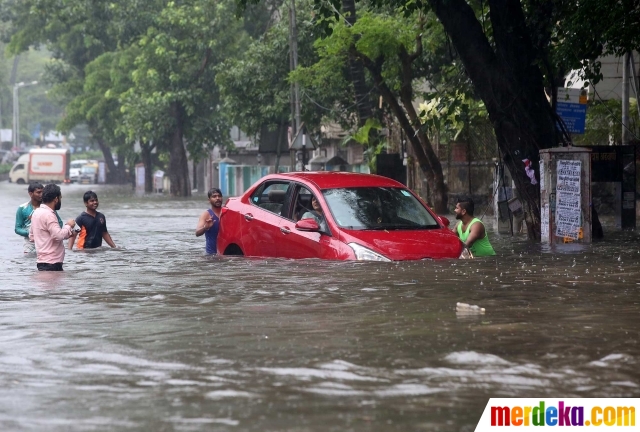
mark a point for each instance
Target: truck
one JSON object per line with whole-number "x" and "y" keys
{"x": 42, "y": 165}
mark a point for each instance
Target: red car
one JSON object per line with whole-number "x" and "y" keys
{"x": 337, "y": 216}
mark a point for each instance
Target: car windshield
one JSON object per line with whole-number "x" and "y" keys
{"x": 88, "y": 170}
{"x": 378, "y": 208}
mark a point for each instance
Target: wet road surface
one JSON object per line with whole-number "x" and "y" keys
{"x": 156, "y": 336}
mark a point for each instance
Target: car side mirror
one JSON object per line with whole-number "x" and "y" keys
{"x": 444, "y": 221}
{"x": 309, "y": 225}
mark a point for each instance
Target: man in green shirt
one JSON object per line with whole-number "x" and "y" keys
{"x": 471, "y": 230}
{"x": 23, "y": 215}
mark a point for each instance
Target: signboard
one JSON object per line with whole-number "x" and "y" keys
{"x": 139, "y": 178}
{"x": 606, "y": 164}
{"x": 47, "y": 163}
{"x": 102, "y": 172}
{"x": 568, "y": 197}
{"x": 301, "y": 140}
{"x": 572, "y": 108}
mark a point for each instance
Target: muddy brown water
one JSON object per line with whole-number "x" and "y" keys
{"x": 156, "y": 336}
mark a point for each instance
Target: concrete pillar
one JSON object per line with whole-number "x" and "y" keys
{"x": 565, "y": 195}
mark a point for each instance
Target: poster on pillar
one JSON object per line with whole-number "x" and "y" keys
{"x": 544, "y": 224}
{"x": 568, "y": 217}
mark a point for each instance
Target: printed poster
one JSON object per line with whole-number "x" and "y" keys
{"x": 568, "y": 172}
{"x": 568, "y": 198}
{"x": 544, "y": 224}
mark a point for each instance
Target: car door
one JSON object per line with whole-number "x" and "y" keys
{"x": 261, "y": 227}
{"x": 303, "y": 244}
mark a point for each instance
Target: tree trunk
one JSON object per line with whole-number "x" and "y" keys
{"x": 145, "y": 154}
{"x": 108, "y": 156}
{"x": 122, "y": 168}
{"x": 510, "y": 83}
{"x": 178, "y": 167}
{"x": 412, "y": 126}
{"x": 115, "y": 174}
{"x": 356, "y": 71}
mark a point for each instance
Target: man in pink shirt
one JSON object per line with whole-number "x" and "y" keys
{"x": 46, "y": 232}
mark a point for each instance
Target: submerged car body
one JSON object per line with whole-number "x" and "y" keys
{"x": 354, "y": 217}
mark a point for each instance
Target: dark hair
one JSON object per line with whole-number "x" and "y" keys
{"x": 34, "y": 186}
{"x": 213, "y": 191}
{"x": 467, "y": 204}
{"x": 88, "y": 195}
{"x": 50, "y": 192}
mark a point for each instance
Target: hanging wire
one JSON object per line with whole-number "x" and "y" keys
{"x": 613, "y": 115}
{"x": 344, "y": 110}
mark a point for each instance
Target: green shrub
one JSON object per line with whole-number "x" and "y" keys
{"x": 91, "y": 154}
{"x": 5, "y": 168}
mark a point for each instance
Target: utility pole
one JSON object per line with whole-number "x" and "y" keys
{"x": 293, "y": 64}
{"x": 16, "y": 111}
{"x": 625, "y": 98}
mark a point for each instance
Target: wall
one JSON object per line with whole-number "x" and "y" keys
{"x": 473, "y": 179}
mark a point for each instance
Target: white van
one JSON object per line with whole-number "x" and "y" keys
{"x": 42, "y": 165}
{"x": 76, "y": 168}
{"x": 20, "y": 171}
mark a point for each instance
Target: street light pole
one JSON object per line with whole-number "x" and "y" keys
{"x": 16, "y": 111}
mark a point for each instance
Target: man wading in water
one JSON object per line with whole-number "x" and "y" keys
{"x": 471, "y": 230}
{"x": 209, "y": 222}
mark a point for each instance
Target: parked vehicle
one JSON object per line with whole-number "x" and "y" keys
{"x": 42, "y": 165}
{"x": 357, "y": 217}
{"x": 74, "y": 169}
{"x": 88, "y": 174}
{"x": 19, "y": 172}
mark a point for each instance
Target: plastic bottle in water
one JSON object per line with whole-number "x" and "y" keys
{"x": 464, "y": 307}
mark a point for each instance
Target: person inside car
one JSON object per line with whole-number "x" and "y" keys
{"x": 316, "y": 214}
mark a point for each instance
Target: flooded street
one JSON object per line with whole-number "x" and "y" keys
{"x": 155, "y": 336}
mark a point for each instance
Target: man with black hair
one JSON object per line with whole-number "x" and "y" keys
{"x": 47, "y": 233}
{"x": 92, "y": 225}
{"x": 24, "y": 213}
{"x": 471, "y": 230}
{"x": 209, "y": 222}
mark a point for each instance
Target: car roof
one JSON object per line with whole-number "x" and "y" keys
{"x": 337, "y": 179}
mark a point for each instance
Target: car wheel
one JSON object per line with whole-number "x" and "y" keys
{"x": 20, "y": 181}
{"x": 233, "y": 250}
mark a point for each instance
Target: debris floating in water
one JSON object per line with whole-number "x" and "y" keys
{"x": 467, "y": 308}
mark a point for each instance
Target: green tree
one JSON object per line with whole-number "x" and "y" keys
{"x": 256, "y": 93}
{"x": 603, "y": 123}
{"x": 389, "y": 46}
{"x": 98, "y": 106}
{"x": 174, "y": 96}
{"x": 78, "y": 32}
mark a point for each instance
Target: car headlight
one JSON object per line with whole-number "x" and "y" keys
{"x": 466, "y": 253}
{"x": 365, "y": 254}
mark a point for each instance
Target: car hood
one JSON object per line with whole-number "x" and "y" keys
{"x": 400, "y": 245}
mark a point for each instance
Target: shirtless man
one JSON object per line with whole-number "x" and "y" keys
{"x": 209, "y": 222}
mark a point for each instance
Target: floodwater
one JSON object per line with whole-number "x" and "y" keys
{"x": 155, "y": 336}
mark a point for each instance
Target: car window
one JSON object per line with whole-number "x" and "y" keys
{"x": 302, "y": 208}
{"x": 18, "y": 167}
{"x": 302, "y": 203}
{"x": 383, "y": 208}
{"x": 271, "y": 196}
